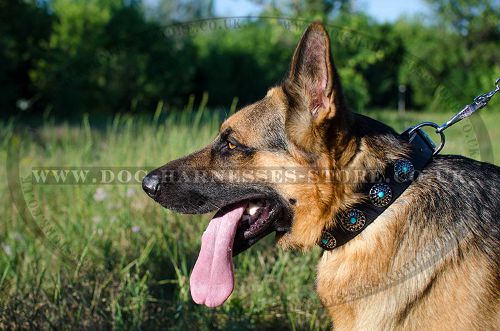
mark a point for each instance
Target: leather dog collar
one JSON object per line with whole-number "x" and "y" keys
{"x": 396, "y": 179}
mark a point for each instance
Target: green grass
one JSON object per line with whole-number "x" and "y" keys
{"x": 118, "y": 260}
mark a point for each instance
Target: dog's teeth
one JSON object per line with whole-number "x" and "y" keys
{"x": 252, "y": 208}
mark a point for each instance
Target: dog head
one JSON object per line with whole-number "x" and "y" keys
{"x": 298, "y": 126}
{"x": 263, "y": 172}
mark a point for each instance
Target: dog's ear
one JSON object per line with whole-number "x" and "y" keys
{"x": 313, "y": 84}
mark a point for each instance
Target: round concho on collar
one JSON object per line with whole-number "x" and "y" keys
{"x": 327, "y": 241}
{"x": 403, "y": 170}
{"x": 353, "y": 220}
{"x": 380, "y": 195}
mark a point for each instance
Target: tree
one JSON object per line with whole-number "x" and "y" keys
{"x": 318, "y": 9}
{"x": 104, "y": 57}
{"x": 168, "y": 11}
{"x": 473, "y": 25}
{"x": 24, "y": 30}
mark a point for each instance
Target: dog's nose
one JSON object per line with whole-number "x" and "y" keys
{"x": 150, "y": 184}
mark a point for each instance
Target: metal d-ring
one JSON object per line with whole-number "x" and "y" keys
{"x": 438, "y": 149}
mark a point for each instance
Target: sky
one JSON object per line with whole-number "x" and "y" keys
{"x": 381, "y": 10}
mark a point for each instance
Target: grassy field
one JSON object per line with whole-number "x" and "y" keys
{"x": 106, "y": 256}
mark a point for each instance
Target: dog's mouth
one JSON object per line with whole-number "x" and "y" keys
{"x": 258, "y": 220}
{"x": 233, "y": 229}
{"x": 255, "y": 218}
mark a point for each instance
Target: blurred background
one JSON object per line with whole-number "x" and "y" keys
{"x": 65, "y": 58}
{"x": 137, "y": 83}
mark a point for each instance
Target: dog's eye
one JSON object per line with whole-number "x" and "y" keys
{"x": 229, "y": 146}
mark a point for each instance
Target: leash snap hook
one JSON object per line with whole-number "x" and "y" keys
{"x": 479, "y": 102}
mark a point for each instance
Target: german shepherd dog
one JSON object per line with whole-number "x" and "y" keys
{"x": 448, "y": 217}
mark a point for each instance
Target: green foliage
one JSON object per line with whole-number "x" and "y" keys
{"x": 242, "y": 59}
{"x": 450, "y": 60}
{"x": 367, "y": 56}
{"x": 108, "y": 58}
{"x": 66, "y": 57}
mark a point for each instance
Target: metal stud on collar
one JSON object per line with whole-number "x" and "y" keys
{"x": 380, "y": 195}
{"x": 353, "y": 220}
{"x": 327, "y": 241}
{"x": 403, "y": 170}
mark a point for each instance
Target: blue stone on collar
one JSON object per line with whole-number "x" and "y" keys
{"x": 353, "y": 220}
{"x": 327, "y": 241}
{"x": 380, "y": 195}
{"x": 404, "y": 170}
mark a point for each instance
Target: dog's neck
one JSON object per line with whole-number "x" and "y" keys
{"x": 363, "y": 144}
{"x": 378, "y": 189}
{"x": 366, "y": 137}
{"x": 357, "y": 271}
{"x": 365, "y": 147}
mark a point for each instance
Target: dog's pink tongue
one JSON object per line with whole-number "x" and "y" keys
{"x": 212, "y": 279}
